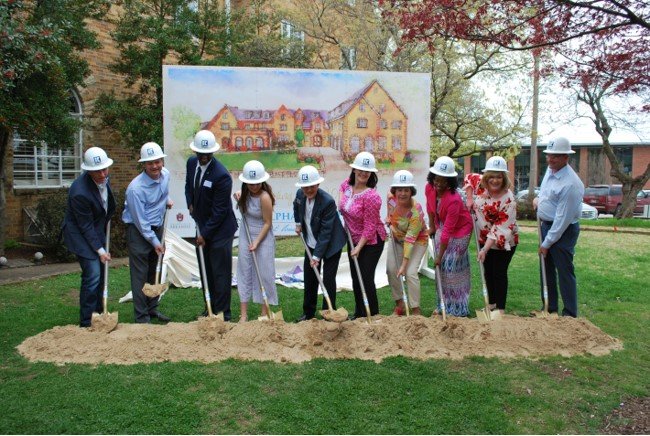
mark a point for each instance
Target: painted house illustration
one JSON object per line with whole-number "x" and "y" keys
{"x": 370, "y": 120}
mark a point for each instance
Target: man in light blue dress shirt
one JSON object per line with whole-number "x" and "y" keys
{"x": 558, "y": 207}
{"x": 147, "y": 199}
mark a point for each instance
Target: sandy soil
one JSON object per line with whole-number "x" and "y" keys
{"x": 211, "y": 340}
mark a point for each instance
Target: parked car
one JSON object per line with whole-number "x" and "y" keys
{"x": 609, "y": 198}
{"x": 587, "y": 213}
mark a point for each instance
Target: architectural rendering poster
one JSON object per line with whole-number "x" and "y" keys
{"x": 288, "y": 118}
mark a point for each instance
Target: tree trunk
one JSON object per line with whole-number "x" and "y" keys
{"x": 5, "y": 135}
{"x": 630, "y": 185}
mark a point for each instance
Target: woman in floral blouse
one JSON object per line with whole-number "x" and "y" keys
{"x": 360, "y": 204}
{"x": 495, "y": 209}
{"x": 409, "y": 241}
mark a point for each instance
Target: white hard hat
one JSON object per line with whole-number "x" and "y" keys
{"x": 496, "y": 163}
{"x": 364, "y": 161}
{"x": 204, "y": 142}
{"x": 96, "y": 159}
{"x": 151, "y": 151}
{"x": 444, "y": 166}
{"x": 403, "y": 179}
{"x": 559, "y": 146}
{"x": 308, "y": 176}
{"x": 253, "y": 173}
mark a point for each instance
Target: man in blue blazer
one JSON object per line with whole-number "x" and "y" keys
{"x": 208, "y": 187}
{"x": 317, "y": 219}
{"x": 90, "y": 207}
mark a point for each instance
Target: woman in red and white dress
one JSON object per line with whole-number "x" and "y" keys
{"x": 495, "y": 209}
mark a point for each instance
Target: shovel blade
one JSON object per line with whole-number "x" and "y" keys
{"x": 543, "y": 314}
{"x": 104, "y": 322}
{"x": 153, "y": 291}
{"x": 275, "y": 316}
{"x": 338, "y": 315}
{"x": 485, "y": 317}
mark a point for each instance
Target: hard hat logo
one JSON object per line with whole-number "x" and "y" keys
{"x": 443, "y": 167}
{"x": 150, "y": 152}
{"x": 402, "y": 178}
{"x": 252, "y": 175}
{"x": 304, "y": 177}
{"x": 366, "y": 162}
{"x": 97, "y": 160}
{"x": 204, "y": 143}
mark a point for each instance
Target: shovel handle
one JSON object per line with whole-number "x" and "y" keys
{"x": 160, "y": 256}
{"x": 204, "y": 277}
{"x": 542, "y": 263}
{"x": 318, "y": 276}
{"x": 356, "y": 264}
{"x": 405, "y": 298}
{"x": 105, "y": 292}
{"x": 481, "y": 267}
{"x": 432, "y": 247}
{"x": 257, "y": 269}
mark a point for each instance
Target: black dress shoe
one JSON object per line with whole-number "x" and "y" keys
{"x": 161, "y": 317}
{"x": 203, "y": 315}
{"x": 304, "y": 318}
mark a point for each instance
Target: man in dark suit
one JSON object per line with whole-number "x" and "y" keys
{"x": 90, "y": 207}
{"x": 317, "y": 219}
{"x": 208, "y": 187}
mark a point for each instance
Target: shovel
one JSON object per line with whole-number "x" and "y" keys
{"x": 356, "y": 264}
{"x": 277, "y": 316}
{"x": 544, "y": 313}
{"x": 432, "y": 249}
{"x": 152, "y": 291}
{"x": 405, "y": 298}
{"x": 484, "y": 315}
{"x": 204, "y": 282}
{"x": 106, "y": 322}
{"x": 338, "y": 315}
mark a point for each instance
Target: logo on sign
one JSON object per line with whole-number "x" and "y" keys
{"x": 180, "y": 217}
{"x": 97, "y": 159}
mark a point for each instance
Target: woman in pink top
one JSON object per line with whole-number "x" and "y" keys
{"x": 359, "y": 204}
{"x": 495, "y": 209}
{"x": 451, "y": 224}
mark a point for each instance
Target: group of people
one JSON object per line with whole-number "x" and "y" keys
{"x": 326, "y": 225}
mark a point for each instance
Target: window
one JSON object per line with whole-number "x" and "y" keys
{"x": 362, "y": 107}
{"x": 368, "y": 143}
{"x": 381, "y": 143}
{"x": 282, "y": 117}
{"x": 624, "y": 155}
{"x": 225, "y": 126}
{"x": 478, "y": 162}
{"x": 36, "y": 165}
{"x": 249, "y": 142}
{"x": 383, "y": 124}
{"x": 225, "y": 116}
{"x": 283, "y": 127}
{"x": 248, "y": 126}
{"x": 348, "y": 58}
{"x": 239, "y": 142}
{"x": 290, "y": 32}
{"x": 362, "y": 123}
{"x": 259, "y": 142}
{"x": 396, "y": 124}
{"x": 354, "y": 144}
{"x": 396, "y": 142}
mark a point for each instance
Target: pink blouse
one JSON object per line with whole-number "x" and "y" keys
{"x": 361, "y": 213}
{"x": 452, "y": 213}
{"x": 497, "y": 217}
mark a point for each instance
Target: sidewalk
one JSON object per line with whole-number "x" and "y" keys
{"x": 21, "y": 270}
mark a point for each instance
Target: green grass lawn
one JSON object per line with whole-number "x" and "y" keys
{"x": 270, "y": 159}
{"x": 399, "y": 395}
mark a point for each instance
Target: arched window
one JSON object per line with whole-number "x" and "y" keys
{"x": 354, "y": 144}
{"x": 249, "y": 142}
{"x": 36, "y": 165}
{"x": 238, "y": 142}
{"x": 368, "y": 143}
{"x": 259, "y": 142}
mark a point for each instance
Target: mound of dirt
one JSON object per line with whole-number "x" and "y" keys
{"x": 416, "y": 337}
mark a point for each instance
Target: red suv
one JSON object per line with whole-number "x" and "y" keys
{"x": 608, "y": 198}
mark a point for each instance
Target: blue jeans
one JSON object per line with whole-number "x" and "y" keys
{"x": 90, "y": 293}
{"x": 560, "y": 261}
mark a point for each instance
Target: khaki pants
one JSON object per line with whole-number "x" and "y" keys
{"x": 412, "y": 278}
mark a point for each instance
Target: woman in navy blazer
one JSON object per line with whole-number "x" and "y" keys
{"x": 323, "y": 233}
{"x": 90, "y": 206}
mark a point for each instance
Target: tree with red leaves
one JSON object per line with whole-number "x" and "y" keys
{"x": 600, "y": 48}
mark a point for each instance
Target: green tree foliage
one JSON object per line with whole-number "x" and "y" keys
{"x": 152, "y": 33}
{"x": 40, "y": 62}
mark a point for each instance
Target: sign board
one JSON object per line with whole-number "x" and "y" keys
{"x": 288, "y": 118}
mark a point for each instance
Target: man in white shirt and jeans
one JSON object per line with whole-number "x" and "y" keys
{"x": 559, "y": 207}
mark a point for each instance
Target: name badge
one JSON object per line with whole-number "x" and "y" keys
{"x": 207, "y": 183}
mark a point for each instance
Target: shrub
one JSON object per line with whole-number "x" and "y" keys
{"x": 50, "y": 212}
